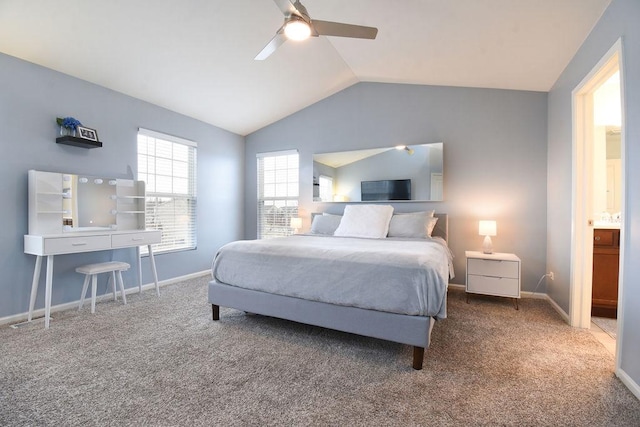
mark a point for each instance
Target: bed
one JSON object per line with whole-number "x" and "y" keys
{"x": 391, "y": 288}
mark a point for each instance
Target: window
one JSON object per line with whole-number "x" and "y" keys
{"x": 278, "y": 191}
{"x": 326, "y": 188}
{"x": 167, "y": 165}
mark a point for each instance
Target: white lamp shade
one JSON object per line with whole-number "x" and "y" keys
{"x": 487, "y": 228}
{"x": 296, "y": 223}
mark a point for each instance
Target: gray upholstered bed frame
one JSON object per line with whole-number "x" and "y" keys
{"x": 400, "y": 328}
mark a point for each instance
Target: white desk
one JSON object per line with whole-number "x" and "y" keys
{"x": 70, "y": 243}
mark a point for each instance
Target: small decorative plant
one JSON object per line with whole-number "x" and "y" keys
{"x": 68, "y": 123}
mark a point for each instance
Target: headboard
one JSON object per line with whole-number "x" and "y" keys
{"x": 442, "y": 227}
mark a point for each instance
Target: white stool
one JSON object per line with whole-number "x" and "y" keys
{"x": 92, "y": 271}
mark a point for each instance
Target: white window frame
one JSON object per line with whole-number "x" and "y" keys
{"x": 175, "y": 169}
{"x": 278, "y": 189}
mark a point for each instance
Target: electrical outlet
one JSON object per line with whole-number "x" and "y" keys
{"x": 551, "y": 275}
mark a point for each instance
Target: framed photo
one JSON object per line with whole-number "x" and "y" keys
{"x": 87, "y": 133}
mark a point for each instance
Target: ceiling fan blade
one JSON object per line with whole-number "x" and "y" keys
{"x": 271, "y": 47}
{"x": 327, "y": 28}
{"x": 286, "y": 7}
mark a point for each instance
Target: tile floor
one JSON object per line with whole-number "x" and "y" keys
{"x": 605, "y": 339}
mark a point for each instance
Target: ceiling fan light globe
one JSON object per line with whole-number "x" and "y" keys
{"x": 297, "y": 30}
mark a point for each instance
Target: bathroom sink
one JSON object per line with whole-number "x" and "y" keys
{"x": 606, "y": 224}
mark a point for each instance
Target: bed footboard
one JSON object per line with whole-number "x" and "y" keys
{"x": 411, "y": 330}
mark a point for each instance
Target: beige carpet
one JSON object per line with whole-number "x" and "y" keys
{"x": 163, "y": 362}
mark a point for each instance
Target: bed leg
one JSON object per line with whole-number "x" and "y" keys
{"x": 215, "y": 309}
{"x": 418, "y": 357}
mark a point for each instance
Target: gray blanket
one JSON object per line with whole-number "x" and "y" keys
{"x": 405, "y": 276}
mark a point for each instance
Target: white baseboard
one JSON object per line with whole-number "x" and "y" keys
{"x": 629, "y": 382}
{"x": 559, "y": 309}
{"x": 20, "y": 317}
{"x": 523, "y": 294}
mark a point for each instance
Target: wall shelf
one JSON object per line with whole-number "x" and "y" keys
{"x": 78, "y": 142}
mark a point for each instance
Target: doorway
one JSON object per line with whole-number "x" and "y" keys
{"x": 592, "y": 119}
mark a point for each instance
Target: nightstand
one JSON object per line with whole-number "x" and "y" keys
{"x": 496, "y": 274}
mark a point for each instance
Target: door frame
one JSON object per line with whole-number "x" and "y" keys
{"x": 582, "y": 201}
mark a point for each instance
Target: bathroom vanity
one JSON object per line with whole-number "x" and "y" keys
{"x": 606, "y": 260}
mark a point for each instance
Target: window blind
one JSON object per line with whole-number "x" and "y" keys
{"x": 278, "y": 192}
{"x": 167, "y": 165}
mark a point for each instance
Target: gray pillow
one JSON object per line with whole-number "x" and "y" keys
{"x": 417, "y": 225}
{"x": 325, "y": 224}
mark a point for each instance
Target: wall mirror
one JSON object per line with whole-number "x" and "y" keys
{"x": 88, "y": 202}
{"x": 401, "y": 173}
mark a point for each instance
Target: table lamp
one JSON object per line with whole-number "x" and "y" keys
{"x": 296, "y": 224}
{"x": 487, "y": 229}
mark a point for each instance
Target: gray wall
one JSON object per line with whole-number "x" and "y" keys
{"x": 31, "y": 97}
{"x": 619, "y": 20}
{"x": 494, "y": 157}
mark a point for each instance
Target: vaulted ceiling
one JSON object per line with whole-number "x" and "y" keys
{"x": 195, "y": 57}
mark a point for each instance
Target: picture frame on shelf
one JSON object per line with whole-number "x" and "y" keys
{"x": 87, "y": 133}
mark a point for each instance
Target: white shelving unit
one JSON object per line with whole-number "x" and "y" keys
{"x": 130, "y": 204}
{"x": 45, "y": 202}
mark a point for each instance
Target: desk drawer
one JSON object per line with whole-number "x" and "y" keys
{"x": 69, "y": 245}
{"x": 140, "y": 238}
{"x": 497, "y": 268}
{"x": 498, "y": 286}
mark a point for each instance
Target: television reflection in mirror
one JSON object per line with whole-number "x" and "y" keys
{"x": 388, "y": 189}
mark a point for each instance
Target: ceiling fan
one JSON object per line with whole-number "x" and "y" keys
{"x": 299, "y": 26}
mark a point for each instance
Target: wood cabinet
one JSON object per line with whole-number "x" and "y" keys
{"x": 606, "y": 261}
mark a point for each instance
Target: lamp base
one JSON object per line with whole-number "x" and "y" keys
{"x": 487, "y": 245}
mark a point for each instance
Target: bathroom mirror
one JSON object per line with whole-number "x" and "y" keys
{"x": 401, "y": 173}
{"x": 88, "y": 202}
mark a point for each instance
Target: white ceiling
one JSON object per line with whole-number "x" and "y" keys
{"x": 195, "y": 57}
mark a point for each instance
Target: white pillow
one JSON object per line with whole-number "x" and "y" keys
{"x": 427, "y": 213}
{"x": 365, "y": 221}
{"x": 325, "y": 224}
{"x": 432, "y": 225}
{"x": 414, "y": 225}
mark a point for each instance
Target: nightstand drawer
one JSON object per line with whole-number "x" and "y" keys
{"x": 498, "y": 286}
{"x": 496, "y": 268}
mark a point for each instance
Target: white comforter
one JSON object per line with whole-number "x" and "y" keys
{"x": 405, "y": 276}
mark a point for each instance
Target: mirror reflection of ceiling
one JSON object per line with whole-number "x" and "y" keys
{"x": 336, "y": 160}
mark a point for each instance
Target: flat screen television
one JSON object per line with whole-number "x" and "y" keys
{"x": 388, "y": 189}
